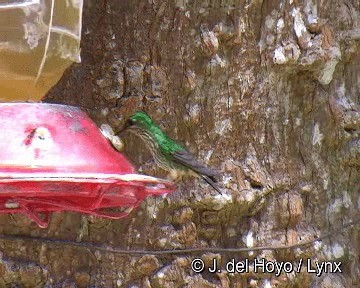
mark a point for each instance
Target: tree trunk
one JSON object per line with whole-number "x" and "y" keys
{"x": 267, "y": 92}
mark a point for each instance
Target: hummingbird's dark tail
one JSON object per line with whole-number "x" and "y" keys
{"x": 211, "y": 181}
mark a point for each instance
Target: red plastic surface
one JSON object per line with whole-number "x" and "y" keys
{"x": 54, "y": 158}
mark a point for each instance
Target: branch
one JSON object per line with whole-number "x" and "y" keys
{"x": 110, "y": 249}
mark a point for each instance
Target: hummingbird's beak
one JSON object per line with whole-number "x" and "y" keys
{"x": 124, "y": 128}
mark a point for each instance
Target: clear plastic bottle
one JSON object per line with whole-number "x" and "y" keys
{"x": 39, "y": 39}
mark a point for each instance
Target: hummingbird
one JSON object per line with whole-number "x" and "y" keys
{"x": 167, "y": 153}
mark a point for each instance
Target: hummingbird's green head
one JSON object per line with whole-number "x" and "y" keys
{"x": 139, "y": 120}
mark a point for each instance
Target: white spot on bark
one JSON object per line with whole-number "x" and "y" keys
{"x": 162, "y": 242}
{"x": 311, "y": 11}
{"x": 194, "y": 112}
{"x": 279, "y": 56}
{"x": 222, "y": 126}
{"x": 160, "y": 275}
{"x": 269, "y": 22}
{"x": 326, "y": 182}
{"x": 249, "y": 239}
{"x": 337, "y": 250}
{"x": 221, "y": 201}
{"x": 210, "y": 41}
{"x": 280, "y": 25}
{"x": 317, "y": 136}
{"x": 249, "y": 196}
{"x": 307, "y": 188}
{"x": 227, "y": 180}
{"x": 300, "y": 28}
{"x": 318, "y": 245}
{"x": 299, "y": 25}
{"x": 262, "y": 138}
{"x": 209, "y": 154}
{"x": 253, "y": 283}
{"x": 217, "y": 61}
{"x": 105, "y": 112}
{"x": 326, "y": 74}
{"x": 267, "y": 284}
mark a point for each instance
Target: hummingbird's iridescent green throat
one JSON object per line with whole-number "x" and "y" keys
{"x": 168, "y": 154}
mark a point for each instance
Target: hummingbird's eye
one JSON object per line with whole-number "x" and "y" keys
{"x": 129, "y": 123}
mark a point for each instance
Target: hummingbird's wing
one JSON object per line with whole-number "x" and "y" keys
{"x": 185, "y": 158}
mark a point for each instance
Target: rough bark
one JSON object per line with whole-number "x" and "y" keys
{"x": 265, "y": 91}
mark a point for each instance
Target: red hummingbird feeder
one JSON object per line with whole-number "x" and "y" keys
{"x": 54, "y": 158}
